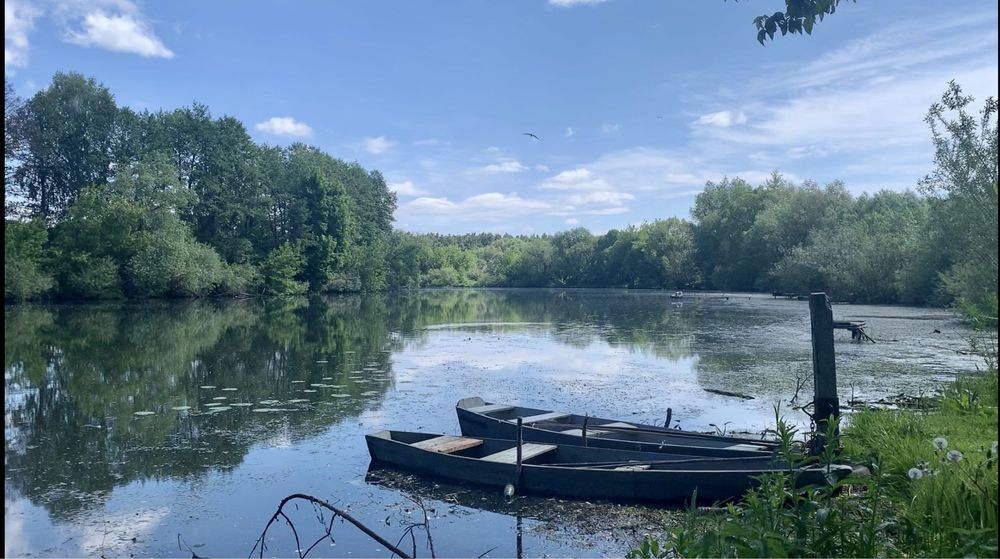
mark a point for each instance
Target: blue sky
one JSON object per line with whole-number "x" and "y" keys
{"x": 637, "y": 103}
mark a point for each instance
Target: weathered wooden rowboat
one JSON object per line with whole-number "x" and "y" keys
{"x": 478, "y": 418}
{"x": 581, "y": 472}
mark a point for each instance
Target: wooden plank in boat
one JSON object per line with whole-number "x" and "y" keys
{"x": 528, "y": 450}
{"x": 579, "y": 432}
{"x": 446, "y": 444}
{"x": 490, "y": 408}
{"x": 550, "y": 416}
{"x": 619, "y": 424}
{"x": 743, "y": 446}
{"x": 634, "y": 468}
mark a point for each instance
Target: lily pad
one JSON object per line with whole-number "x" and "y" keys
{"x": 181, "y": 408}
{"x": 207, "y": 387}
{"x": 144, "y": 413}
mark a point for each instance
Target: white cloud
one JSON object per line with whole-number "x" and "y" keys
{"x": 571, "y": 3}
{"x": 378, "y": 145}
{"x": 572, "y": 221}
{"x": 602, "y": 197}
{"x": 723, "y": 119}
{"x": 542, "y": 168}
{"x": 569, "y": 132}
{"x": 18, "y": 21}
{"x": 284, "y": 126}
{"x": 508, "y": 166}
{"x": 488, "y": 206}
{"x": 127, "y": 31}
{"x": 406, "y": 188}
{"x": 575, "y": 179}
{"x": 609, "y": 128}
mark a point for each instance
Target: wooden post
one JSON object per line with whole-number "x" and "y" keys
{"x": 825, "y": 402}
{"x": 519, "y": 441}
{"x": 584, "y": 431}
{"x": 670, "y": 414}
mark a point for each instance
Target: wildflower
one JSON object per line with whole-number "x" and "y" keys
{"x": 940, "y": 443}
{"x": 822, "y": 514}
{"x": 915, "y": 473}
{"x": 954, "y": 455}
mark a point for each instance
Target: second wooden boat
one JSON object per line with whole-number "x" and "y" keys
{"x": 478, "y": 418}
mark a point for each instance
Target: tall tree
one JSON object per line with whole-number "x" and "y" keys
{"x": 67, "y": 130}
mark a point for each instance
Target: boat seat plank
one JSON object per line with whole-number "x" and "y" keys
{"x": 744, "y": 446}
{"x": 528, "y": 450}
{"x": 446, "y": 444}
{"x": 579, "y": 432}
{"x": 550, "y": 416}
{"x": 619, "y": 424}
{"x": 634, "y": 467}
{"x": 490, "y": 408}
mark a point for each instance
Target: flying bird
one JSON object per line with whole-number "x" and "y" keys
{"x": 532, "y": 135}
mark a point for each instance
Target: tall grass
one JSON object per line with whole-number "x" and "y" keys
{"x": 932, "y": 491}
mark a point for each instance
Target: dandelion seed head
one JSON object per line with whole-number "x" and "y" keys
{"x": 994, "y": 447}
{"x": 940, "y": 443}
{"x": 954, "y": 455}
{"x": 915, "y": 473}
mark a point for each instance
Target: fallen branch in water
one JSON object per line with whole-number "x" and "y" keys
{"x": 336, "y": 512}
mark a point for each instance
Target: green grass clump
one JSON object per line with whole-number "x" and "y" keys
{"x": 932, "y": 491}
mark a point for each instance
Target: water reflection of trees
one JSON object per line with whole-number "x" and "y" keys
{"x": 76, "y": 374}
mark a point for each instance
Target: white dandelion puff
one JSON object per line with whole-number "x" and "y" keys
{"x": 940, "y": 443}
{"x": 954, "y": 455}
{"x": 915, "y": 473}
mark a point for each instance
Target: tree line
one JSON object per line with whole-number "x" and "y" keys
{"x": 102, "y": 201}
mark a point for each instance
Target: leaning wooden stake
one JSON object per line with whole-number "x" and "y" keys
{"x": 584, "y": 431}
{"x": 825, "y": 402}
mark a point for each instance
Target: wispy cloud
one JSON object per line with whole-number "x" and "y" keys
{"x": 574, "y": 179}
{"x": 406, "y": 188}
{"x": 284, "y": 126}
{"x": 378, "y": 145}
{"x": 723, "y": 119}
{"x": 609, "y": 128}
{"x": 113, "y": 25}
{"x": 18, "y": 21}
{"x": 507, "y": 166}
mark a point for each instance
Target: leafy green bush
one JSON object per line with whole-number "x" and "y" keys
{"x": 23, "y": 277}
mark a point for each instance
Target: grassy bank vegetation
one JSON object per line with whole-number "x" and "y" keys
{"x": 932, "y": 491}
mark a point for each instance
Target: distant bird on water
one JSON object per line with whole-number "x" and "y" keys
{"x": 532, "y": 135}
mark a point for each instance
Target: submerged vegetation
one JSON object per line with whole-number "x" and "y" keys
{"x": 932, "y": 492}
{"x": 104, "y": 202}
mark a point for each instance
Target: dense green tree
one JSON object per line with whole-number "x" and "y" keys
{"x": 964, "y": 181}
{"x": 67, "y": 130}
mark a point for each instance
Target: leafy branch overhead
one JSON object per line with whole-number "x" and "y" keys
{"x": 799, "y": 16}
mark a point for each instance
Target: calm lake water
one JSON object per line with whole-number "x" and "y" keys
{"x": 165, "y": 428}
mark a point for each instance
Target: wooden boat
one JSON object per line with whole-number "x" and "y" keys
{"x": 581, "y": 472}
{"x": 478, "y": 418}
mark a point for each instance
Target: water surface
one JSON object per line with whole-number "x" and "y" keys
{"x": 166, "y": 428}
